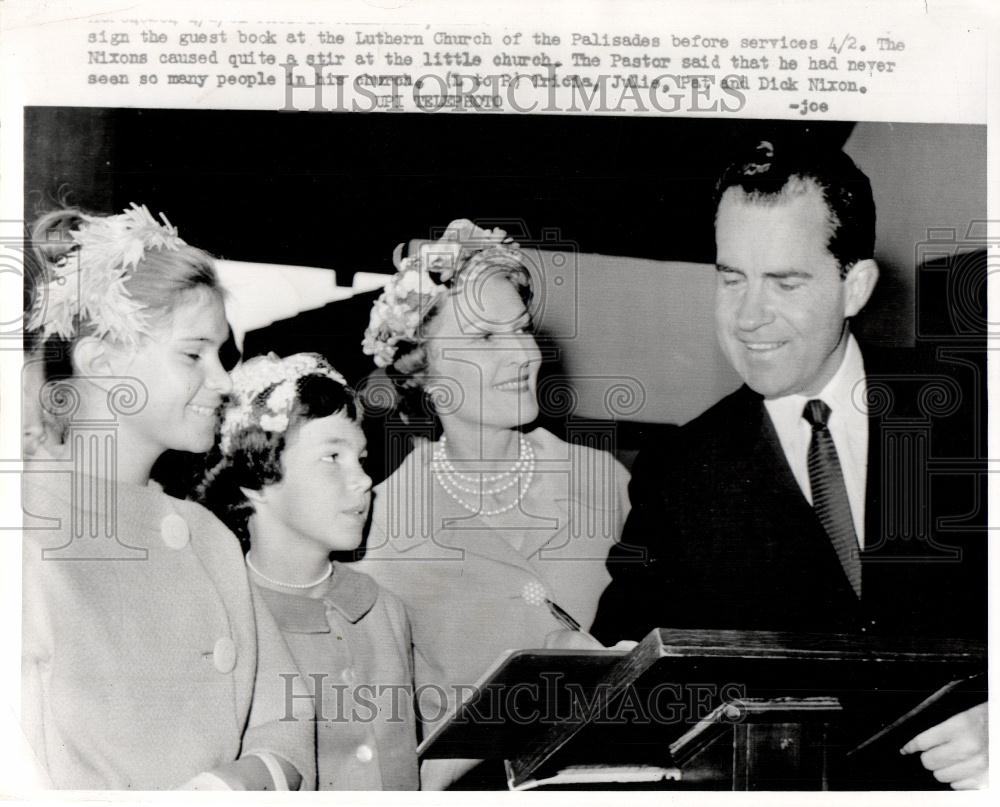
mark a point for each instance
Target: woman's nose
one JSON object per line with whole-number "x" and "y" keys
{"x": 218, "y": 378}
{"x": 525, "y": 350}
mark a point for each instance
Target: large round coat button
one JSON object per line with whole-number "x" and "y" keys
{"x": 224, "y": 655}
{"x": 364, "y": 753}
{"x": 174, "y": 531}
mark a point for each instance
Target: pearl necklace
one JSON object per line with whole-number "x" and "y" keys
{"x": 451, "y": 481}
{"x": 262, "y": 576}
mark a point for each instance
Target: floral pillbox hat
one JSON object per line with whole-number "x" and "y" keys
{"x": 422, "y": 279}
{"x": 264, "y": 390}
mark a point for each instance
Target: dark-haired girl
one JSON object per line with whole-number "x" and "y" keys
{"x": 289, "y": 480}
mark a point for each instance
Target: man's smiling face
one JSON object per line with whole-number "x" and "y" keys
{"x": 780, "y": 303}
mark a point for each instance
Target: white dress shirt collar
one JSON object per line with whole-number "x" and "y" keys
{"x": 844, "y": 393}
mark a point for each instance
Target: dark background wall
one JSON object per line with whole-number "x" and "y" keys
{"x": 341, "y": 190}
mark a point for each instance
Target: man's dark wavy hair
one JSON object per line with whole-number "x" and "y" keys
{"x": 771, "y": 170}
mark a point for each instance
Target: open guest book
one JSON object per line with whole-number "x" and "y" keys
{"x": 691, "y": 709}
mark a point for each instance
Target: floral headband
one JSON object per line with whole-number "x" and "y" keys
{"x": 276, "y": 377}
{"x": 422, "y": 279}
{"x": 107, "y": 250}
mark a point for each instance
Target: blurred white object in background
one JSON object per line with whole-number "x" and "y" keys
{"x": 258, "y": 294}
{"x": 369, "y": 281}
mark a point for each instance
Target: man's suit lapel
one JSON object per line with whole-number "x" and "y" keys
{"x": 770, "y": 450}
{"x": 886, "y": 571}
{"x": 873, "y": 494}
{"x": 789, "y": 503}
{"x": 771, "y": 469}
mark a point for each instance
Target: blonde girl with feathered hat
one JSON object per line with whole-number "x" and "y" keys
{"x": 148, "y": 662}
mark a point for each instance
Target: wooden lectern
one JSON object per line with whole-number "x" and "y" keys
{"x": 740, "y": 710}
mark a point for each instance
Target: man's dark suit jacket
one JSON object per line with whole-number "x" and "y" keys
{"x": 720, "y": 535}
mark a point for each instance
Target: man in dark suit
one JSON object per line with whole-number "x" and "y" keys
{"x": 807, "y": 500}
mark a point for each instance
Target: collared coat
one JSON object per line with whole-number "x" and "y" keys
{"x": 146, "y": 656}
{"x": 353, "y": 648}
{"x": 466, "y": 579}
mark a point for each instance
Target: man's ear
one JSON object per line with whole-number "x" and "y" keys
{"x": 859, "y": 285}
{"x": 93, "y": 360}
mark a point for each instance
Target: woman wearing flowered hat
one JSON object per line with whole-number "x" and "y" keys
{"x": 506, "y": 527}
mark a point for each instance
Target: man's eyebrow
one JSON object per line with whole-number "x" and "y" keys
{"x": 206, "y": 339}
{"x": 787, "y": 273}
{"x": 779, "y": 274}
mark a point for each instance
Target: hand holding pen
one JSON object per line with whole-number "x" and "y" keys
{"x": 572, "y": 636}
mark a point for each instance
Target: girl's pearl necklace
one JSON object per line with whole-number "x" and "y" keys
{"x": 454, "y": 483}
{"x": 262, "y": 576}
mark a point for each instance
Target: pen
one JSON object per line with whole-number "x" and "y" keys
{"x": 534, "y": 593}
{"x": 562, "y": 616}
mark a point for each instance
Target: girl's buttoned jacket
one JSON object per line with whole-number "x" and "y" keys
{"x": 147, "y": 657}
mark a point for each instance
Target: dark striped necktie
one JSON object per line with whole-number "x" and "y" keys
{"x": 829, "y": 494}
